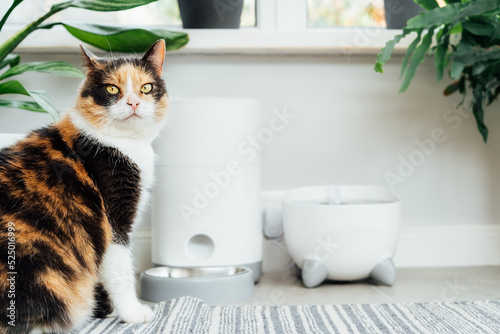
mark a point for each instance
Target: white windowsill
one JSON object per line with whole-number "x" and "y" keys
{"x": 334, "y": 41}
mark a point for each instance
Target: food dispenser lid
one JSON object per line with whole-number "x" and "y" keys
{"x": 210, "y": 284}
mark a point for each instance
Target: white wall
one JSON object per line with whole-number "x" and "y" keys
{"x": 351, "y": 127}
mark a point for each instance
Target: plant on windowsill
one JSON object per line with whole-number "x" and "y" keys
{"x": 105, "y": 37}
{"x": 216, "y": 14}
{"x": 467, "y": 34}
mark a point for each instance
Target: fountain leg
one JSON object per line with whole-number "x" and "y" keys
{"x": 384, "y": 272}
{"x": 313, "y": 273}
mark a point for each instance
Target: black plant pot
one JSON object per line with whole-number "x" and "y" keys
{"x": 398, "y": 12}
{"x": 210, "y": 13}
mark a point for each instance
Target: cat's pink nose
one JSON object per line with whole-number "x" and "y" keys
{"x": 133, "y": 101}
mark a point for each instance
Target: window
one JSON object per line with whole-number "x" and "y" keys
{"x": 283, "y": 14}
{"x": 268, "y": 26}
{"x": 163, "y": 12}
{"x": 347, "y": 13}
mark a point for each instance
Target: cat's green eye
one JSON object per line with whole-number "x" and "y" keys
{"x": 112, "y": 89}
{"x": 146, "y": 88}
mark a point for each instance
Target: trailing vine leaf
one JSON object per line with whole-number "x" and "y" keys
{"x": 18, "y": 104}
{"x": 119, "y": 39}
{"x": 53, "y": 67}
{"x": 417, "y": 59}
{"x": 410, "y": 52}
{"x": 427, "y": 4}
{"x": 452, "y": 88}
{"x": 479, "y": 29}
{"x": 436, "y": 16}
{"x": 40, "y": 97}
{"x": 10, "y": 60}
{"x": 441, "y": 52}
{"x": 386, "y": 52}
{"x": 108, "y": 6}
{"x": 457, "y": 68}
{"x": 474, "y": 8}
{"x": 476, "y": 56}
{"x": 478, "y": 111}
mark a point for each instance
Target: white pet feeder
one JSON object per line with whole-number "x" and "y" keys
{"x": 342, "y": 232}
{"x": 207, "y": 211}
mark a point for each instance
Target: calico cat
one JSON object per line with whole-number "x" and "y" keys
{"x": 70, "y": 194}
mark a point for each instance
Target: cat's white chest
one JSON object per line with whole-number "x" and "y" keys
{"x": 143, "y": 156}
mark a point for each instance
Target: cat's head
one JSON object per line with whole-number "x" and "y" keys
{"x": 124, "y": 97}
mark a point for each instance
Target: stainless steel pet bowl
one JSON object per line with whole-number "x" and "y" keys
{"x": 210, "y": 284}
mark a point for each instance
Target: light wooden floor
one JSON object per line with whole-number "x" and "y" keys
{"x": 412, "y": 285}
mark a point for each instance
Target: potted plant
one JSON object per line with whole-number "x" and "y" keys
{"x": 467, "y": 39}
{"x": 210, "y": 13}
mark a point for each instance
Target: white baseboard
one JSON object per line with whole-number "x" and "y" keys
{"x": 419, "y": 246}
{"x": 449, "y": 246}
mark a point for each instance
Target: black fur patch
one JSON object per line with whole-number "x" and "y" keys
{"x": 118, "y": 180}
{"x": 103, "y": 306}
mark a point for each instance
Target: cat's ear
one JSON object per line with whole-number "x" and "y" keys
{"x": 89, "y": 57}
{"x": 155, "y": 55}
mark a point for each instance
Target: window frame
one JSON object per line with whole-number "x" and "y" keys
{"x": 281, "y": 28}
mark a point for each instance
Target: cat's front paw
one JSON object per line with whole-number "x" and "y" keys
{"x": 136, "y": 313}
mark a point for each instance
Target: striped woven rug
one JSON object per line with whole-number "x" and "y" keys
{"x": 191, "y": 315}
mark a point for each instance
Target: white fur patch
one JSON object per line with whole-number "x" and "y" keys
{"x": 117, "y": 276}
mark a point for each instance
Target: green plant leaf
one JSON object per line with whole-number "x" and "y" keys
{"x": 452, "y": 88}
{"x": 456, "y": 69}
{"x": 476, "y": 7}
{"x": 40, "y": 97}
{"x": 436, "y": 17}
{"x": 427, "y": 4}
{"x": 15, "y": 3}
{"x": 440, "y": 55}
{"x": 479, "y": 68}
{"x": 494, "y": 95}
{"x": 479, "y": 29}
{"x": 476, "y": 56}
{"x": 409, "y": 52}
{"x": 457, "y": 29}
{"x": 53, "y": 67}
{"x": 386, "y": 52}
{"x": 11, "y": 60}
{"x": 122, "y": 39}
{"x": 417, "y": 59}
{"x": 108, "y": 6}
{"x": 18, "y": 104}
{"x": 478, "y": 111}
